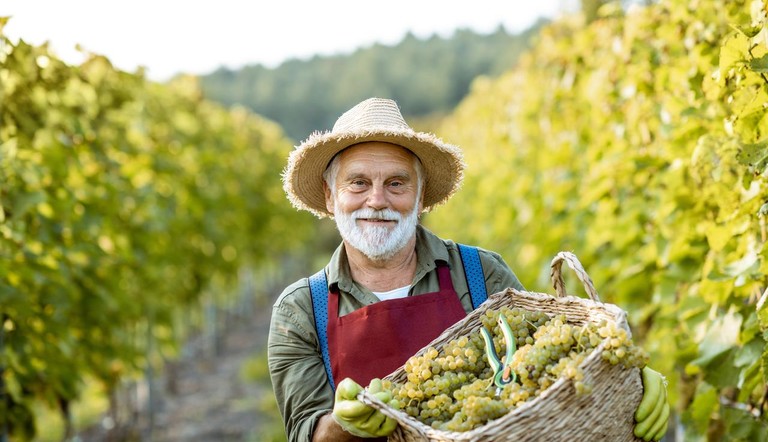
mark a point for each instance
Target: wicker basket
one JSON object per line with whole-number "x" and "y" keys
{"x": 558, "y": 414}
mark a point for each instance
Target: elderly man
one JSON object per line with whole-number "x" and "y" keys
{"x": 390, "y": 288}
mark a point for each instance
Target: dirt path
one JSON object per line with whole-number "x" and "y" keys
{"x": 202, "y": 396}
{"x": 212, "y": 401}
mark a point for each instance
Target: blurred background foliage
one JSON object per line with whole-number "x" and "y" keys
{"x": 632, "y": 134}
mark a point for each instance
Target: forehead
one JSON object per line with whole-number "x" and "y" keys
{"x": 376, "y": 154}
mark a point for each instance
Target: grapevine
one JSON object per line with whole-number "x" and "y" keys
{"x": 124, "y": 207}
{"x": 640, "y": 141}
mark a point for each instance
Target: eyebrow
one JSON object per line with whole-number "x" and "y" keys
{"x": 401, "y": 174}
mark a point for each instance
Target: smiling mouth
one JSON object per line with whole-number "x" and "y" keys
{"x": 376, "y": 220}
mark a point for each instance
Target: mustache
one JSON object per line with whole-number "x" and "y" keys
{"x": 383, "y": 214}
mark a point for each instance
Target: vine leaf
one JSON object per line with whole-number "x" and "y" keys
{"x": 759, "y": 65}
{"x": 749, "y": 31}
{"x": 722, "y": 336}
{"x": 703, "y": 405}
{"x": 733, "y": 54}
{"x": 753, "y": 155}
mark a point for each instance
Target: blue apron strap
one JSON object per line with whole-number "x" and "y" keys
{"x": 473, "y": 271}
{"x": 318, "y": 288}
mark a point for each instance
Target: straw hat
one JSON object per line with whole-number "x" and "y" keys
{"x": 375, "y": 119}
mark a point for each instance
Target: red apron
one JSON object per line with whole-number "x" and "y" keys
{"x": 373, "y": 341}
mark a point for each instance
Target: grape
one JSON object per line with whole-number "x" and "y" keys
{"x": 451, "y": 388}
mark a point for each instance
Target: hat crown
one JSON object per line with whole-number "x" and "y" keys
{"x": 373, "y": 113}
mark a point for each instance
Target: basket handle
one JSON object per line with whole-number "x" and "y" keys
{"x": 573, "y": 262}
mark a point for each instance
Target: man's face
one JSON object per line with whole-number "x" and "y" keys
{"x": 375, "y": 199}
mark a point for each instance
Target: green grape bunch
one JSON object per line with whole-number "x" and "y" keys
{"x": 451, "y": 388}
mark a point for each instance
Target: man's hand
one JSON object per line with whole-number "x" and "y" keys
{"x": 358, "y": 418}
{"x": 652, "y": 415}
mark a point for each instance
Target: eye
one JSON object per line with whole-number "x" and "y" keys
{"x": 358, "y": 185}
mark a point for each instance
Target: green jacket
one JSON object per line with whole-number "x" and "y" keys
{"x": 295, "y": 364}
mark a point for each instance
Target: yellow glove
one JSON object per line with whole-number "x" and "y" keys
{"x": 652, "y": 415}
{"x": 358, "y": 418}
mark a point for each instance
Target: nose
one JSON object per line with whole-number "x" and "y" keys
{"x": 377, "y": 198}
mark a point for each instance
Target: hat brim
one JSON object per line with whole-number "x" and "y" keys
{"x": 443, "y": 165}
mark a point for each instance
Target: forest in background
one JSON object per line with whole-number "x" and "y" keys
{"x": 427, "y": 78}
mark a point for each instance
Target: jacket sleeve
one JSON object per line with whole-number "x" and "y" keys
{"x": 296, "y": 368}
{"x": 498, "y": 275}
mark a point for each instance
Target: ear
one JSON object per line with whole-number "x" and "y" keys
{"x": 328, "y": 197}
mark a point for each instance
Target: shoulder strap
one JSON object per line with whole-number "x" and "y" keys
{"x": 473, "y": 270}
{"x": 318, "y": 288}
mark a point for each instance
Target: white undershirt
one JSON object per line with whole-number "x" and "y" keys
{"x": 402, "y": 292}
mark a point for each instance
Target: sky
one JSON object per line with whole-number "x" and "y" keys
{"x": 168, "y": 37}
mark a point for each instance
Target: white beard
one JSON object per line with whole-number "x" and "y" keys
{"x": 377, "y": 242}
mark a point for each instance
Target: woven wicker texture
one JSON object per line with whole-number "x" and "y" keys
{"x": 558, "y": 414}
